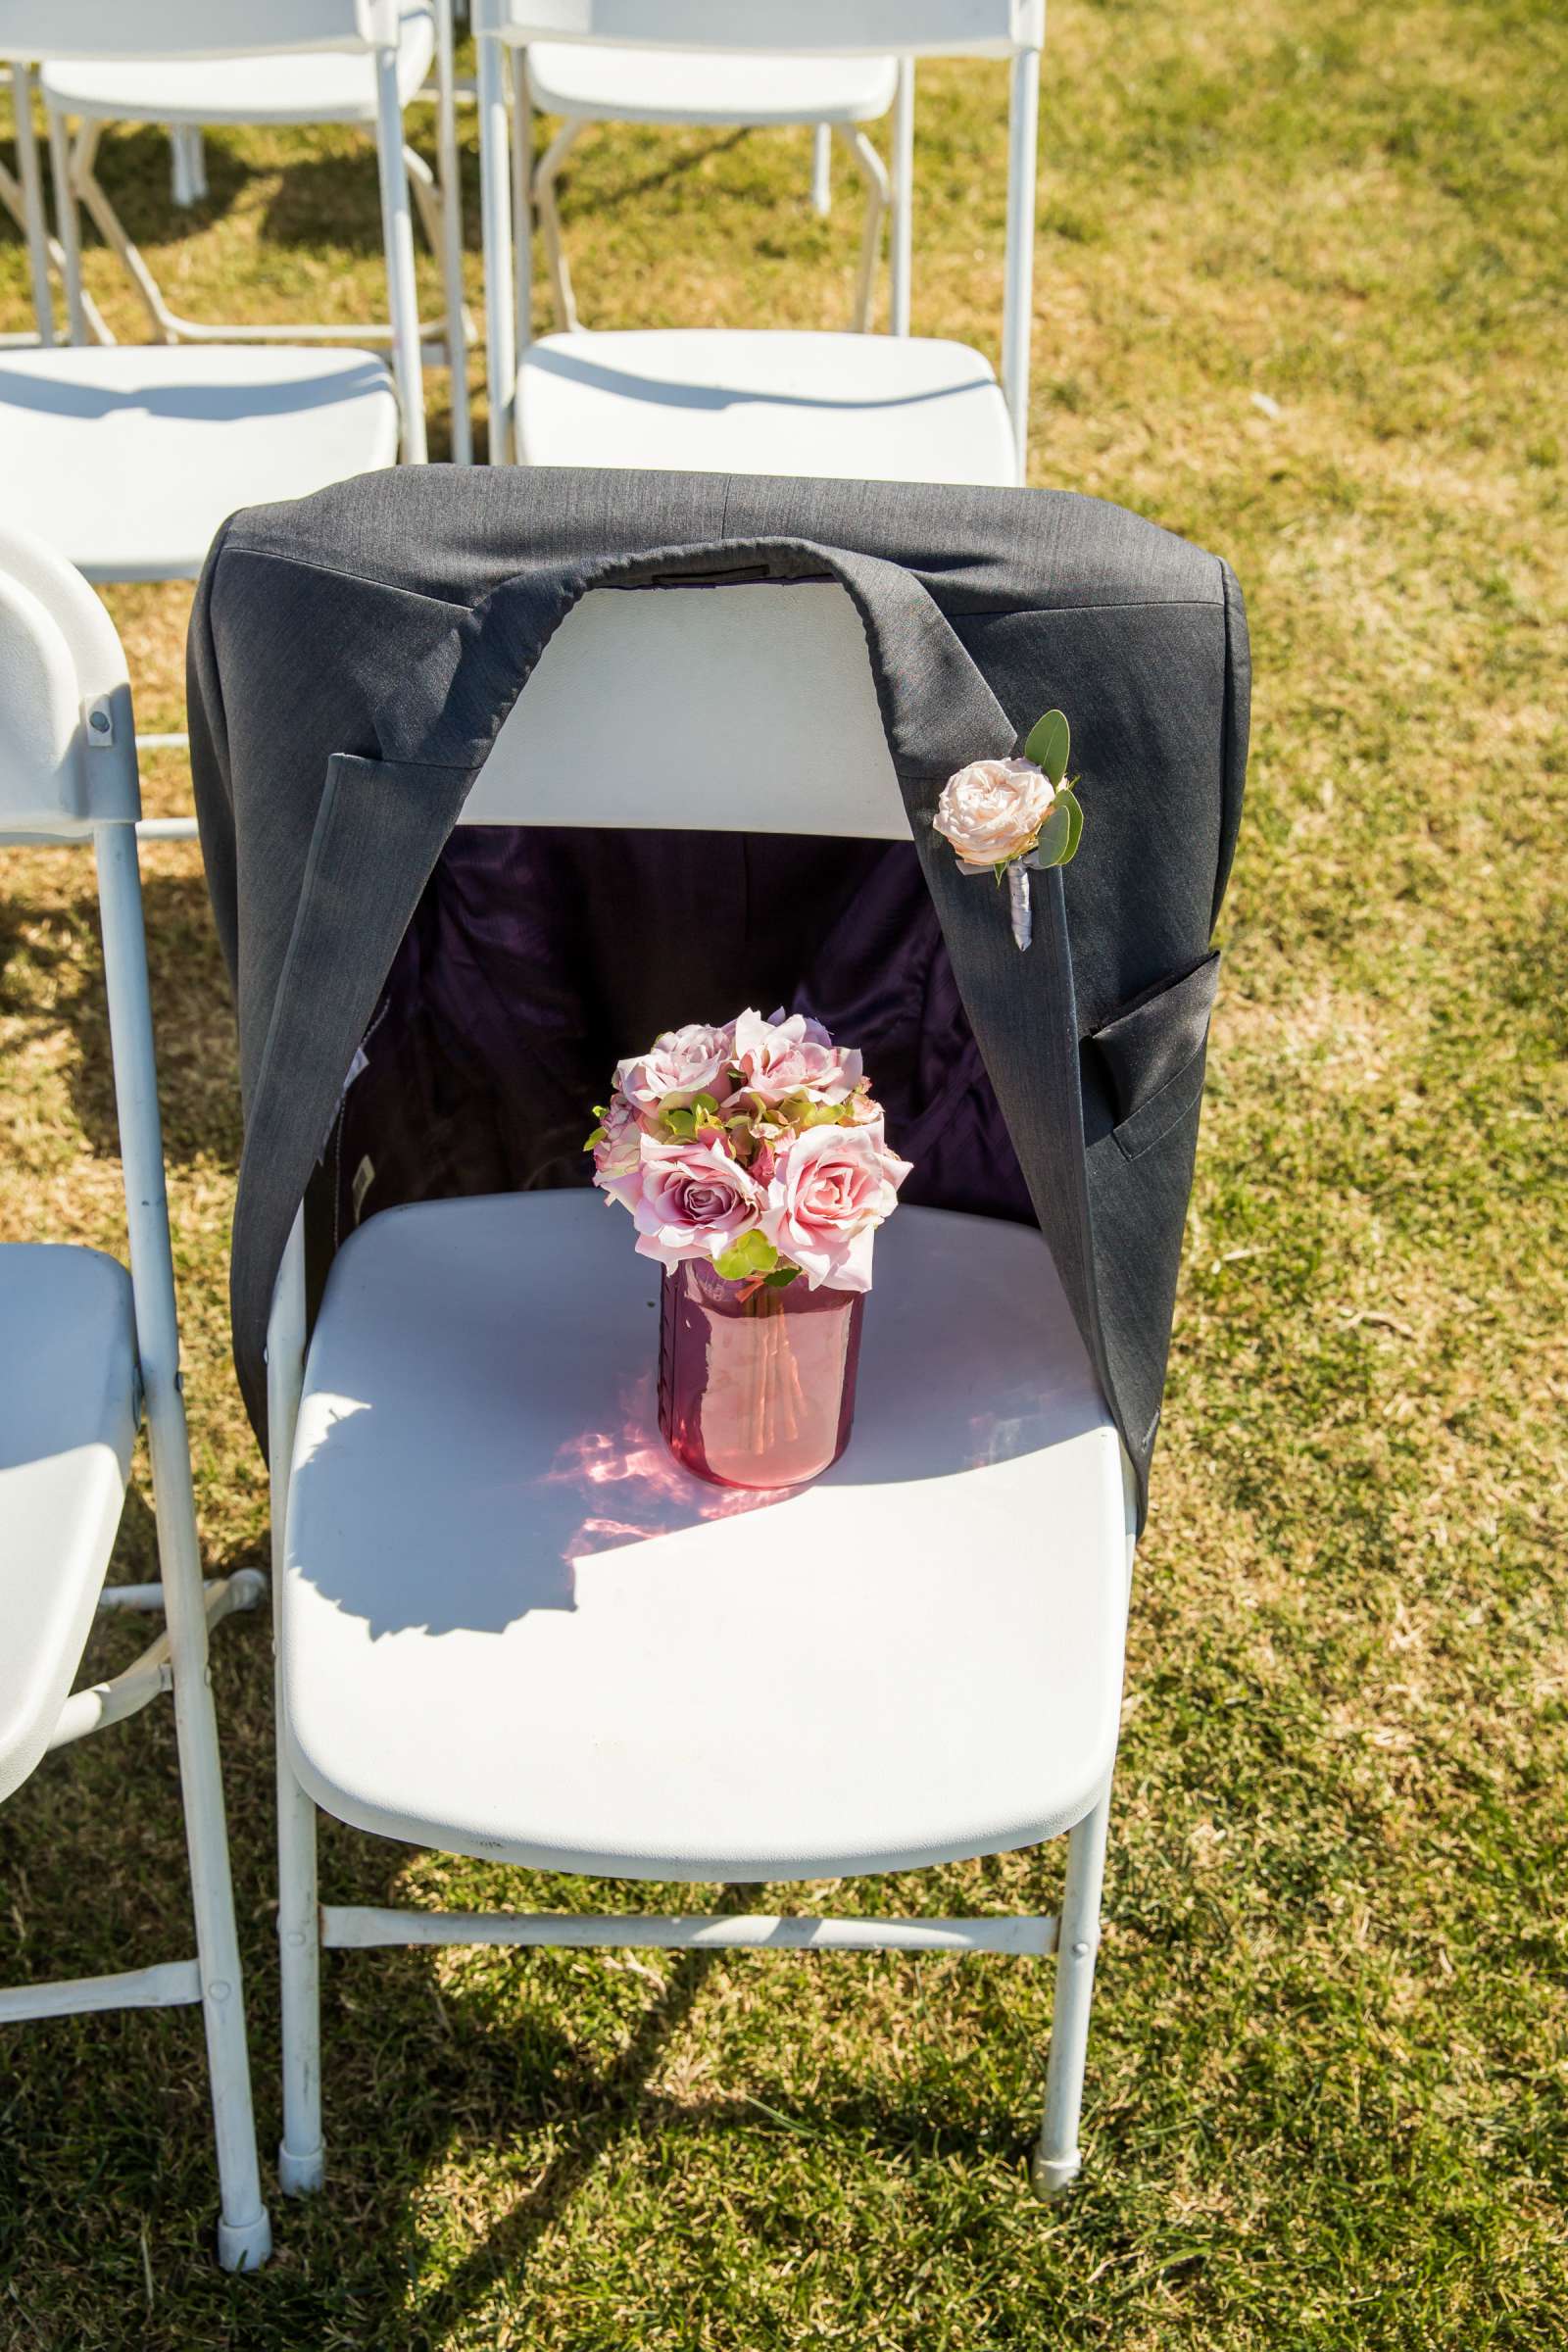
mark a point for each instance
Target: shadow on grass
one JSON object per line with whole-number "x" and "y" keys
{"x": 612, "y": 196}
{"x": 135, "y": 168}
{"x": 419, "y": 2077}
{"x": 327, "y": 203}
{"x": 503, "y": 2078}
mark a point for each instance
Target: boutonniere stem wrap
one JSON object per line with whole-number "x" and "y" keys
{"x": 1009, "y": 817}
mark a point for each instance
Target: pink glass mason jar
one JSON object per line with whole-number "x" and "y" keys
{"x": 756, "y": 1386}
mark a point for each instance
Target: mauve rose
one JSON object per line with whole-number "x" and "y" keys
{"x": 793, "y": 1055}
{"x": 683, "y": 1062}
{"x": 831, "y": 1189}
{"x": 618, "y": 1154}
{"x": 695, "y": 1201}
{"x": 993, "y": 808}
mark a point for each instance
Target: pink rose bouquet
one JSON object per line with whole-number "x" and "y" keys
{"x": 756, "y": 1146}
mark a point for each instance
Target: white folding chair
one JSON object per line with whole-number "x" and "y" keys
{"x": 127, "y": 460}
{"x": 270, "y": 89}
{"x": 88, "y": 1351}
{"x": 476, "y": 1530}
{"x": 877, "y": 409}
{"x": 585, "y": 84}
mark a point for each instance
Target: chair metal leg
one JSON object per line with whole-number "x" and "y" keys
{"x": 503, "y": 269}
{"x": 70, "y": 226}
{"x": 301, "y": 2157}
{"x": 544, "y": 191}
{"x": 244, "y": 2234}
{"x": 873, "y": 172}
{"x": 823, "y": 170}
{"x": 244, "y": 2231}
{"x": 1057, "y": 2158}
{"x": 426, "y": 202}
{"x": 35, "y": 226}
{"x": 522, "y": 200}
{"x": 397, "y": 236}
{"x": 86, "y": 190}
{"x": 900, "y": 268}
{"x": 451, "y": 248}
{"x": 187, "y": 158}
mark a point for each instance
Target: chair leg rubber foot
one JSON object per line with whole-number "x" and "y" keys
{"x": 1051, "y": 2177}
{"x": 301, "y": 2176}
{"x": 245, "y": 2245}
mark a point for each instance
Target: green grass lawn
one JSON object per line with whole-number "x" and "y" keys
{"x": 1299, "y": 296}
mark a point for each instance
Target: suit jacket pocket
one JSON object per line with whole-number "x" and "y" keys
{"x": 1153, "y": 1053}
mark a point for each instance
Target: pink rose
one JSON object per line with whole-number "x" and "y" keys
{"x": 792, "y": 1055}
{"x": 695, "y": 1201}
{"x": 683, "y": 1062}
{"x": 830, "y": 1190}
{"x": 991, "y": 809}
{"x": 618, "y": 1154}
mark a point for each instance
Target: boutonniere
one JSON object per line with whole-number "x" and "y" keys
{"x": 1007, "y": 817}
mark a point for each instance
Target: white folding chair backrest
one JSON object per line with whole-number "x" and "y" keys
{"x": 725, "y": 740}
{"x": 68, "y": 753}
{"x": 909, "y": 29}
{"x": 153, "y": 28}
{"x": 785, "y": 27}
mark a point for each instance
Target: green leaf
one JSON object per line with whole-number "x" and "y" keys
{"x": 1075, "y": 813}
{"x": 1055, "y": 834}
{"x": 753, "y": 1253}
{"x": 705, "y": 1102}
{"x": 597, "y": 1137}
{"x": 781, "y": 1280}
{"x": 681, "y": 1123}
{"x": 1049, "y": 741}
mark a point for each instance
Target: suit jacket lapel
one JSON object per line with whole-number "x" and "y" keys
{"x": 379, "y": 828}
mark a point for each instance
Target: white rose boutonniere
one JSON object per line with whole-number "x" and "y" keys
{"x": 1009, "y": 817}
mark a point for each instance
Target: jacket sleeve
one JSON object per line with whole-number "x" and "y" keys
{"x": 211, "y": 772}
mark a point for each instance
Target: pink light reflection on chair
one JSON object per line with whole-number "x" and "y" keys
{"x": 631, "y": 1468}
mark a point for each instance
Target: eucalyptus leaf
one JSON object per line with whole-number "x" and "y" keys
{"x": 1076, "y": 815}
{"x": 1049, "y": 741}
{"x": 1055, "y": 834}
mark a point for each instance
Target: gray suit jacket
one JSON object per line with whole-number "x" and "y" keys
{"x": 352, "y": 656}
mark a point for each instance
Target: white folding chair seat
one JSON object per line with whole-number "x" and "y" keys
{"x": 69, "y": 1409}
{"x": 589, "y": 84}
{"x": 128, "y": 459}
{"x": 866, "y": 408}
{"x": 616, "y": 1668}
{"x": 301, "y": 86}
